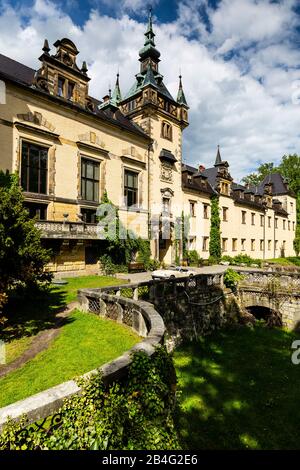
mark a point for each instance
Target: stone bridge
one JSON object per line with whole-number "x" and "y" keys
{"x": 269, "y": 294}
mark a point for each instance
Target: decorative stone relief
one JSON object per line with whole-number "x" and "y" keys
{"x": 132, "y": 151}
{"x": 166, "y": 172}
{"x": 36, "y": 118}
{"x": 92, "y": 138}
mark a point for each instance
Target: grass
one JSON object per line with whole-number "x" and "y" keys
{"x": 37, "y": 311}
{"x": 75, "y": 283}
{"x": 85, "y": 342}
{"x": 239, "y": 390}
{"x": 289, "y": 261}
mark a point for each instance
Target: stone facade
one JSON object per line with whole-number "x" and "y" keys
{"x": 139, "y": 134}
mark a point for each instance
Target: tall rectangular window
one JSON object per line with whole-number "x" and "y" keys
{"x": 205, "y": 243}
{"x": 224, "y": 244}
{"x": 205, "y": 211}
{"x": 243, "y": 217}
{"x": 276, "y": 222}
{"x": 90, "y": 180}
{"x": 192, "y": 209}
{"x": 71, "y": 87}
{"x": 131, "y": 188}
{"x": 166, "y": 206}
{"x": 261, "y": 245}
{"x": 252, "y": 218}
{"x": 262, "y": 219}
{"x": 61, "y": 86}
{"x": 269, "y": 245}
{"x": 234, "y": 244}
{"x": 269, "y": 221}
{"x": 225, "y": 214}
{"x": 34, "y": 168}
{"x": 243, "y": 241}
{"x": 283, "y": 224}
{"x": 252, "y": 244}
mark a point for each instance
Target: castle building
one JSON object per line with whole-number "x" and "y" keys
{"x": 69, "y": 148}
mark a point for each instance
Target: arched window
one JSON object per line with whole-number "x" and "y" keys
{"x": 166, "y": 130}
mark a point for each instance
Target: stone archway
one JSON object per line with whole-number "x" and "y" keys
{"x": 271, "y": 316}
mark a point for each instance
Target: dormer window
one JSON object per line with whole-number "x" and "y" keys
{"x": 65, "y": 88}
{"x": 225, "y": 188}
{"x": 166, "y": 130}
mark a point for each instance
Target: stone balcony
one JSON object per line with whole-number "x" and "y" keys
{"x": 70, "y": 230}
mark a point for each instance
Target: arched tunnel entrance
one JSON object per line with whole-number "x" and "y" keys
{"x": 268, "y": 315}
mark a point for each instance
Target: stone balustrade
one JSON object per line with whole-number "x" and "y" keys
{"x": 264, "y": 278}
{"x": 76, "y": 230}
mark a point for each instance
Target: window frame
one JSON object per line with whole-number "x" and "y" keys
{"x": 125, "y": 188}
{"x": 46, "y": 169}
{"x": 95, "y": 163}
{"x": 166, "y": 134}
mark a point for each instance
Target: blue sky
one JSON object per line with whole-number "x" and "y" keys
{"x": 240, "y": 61}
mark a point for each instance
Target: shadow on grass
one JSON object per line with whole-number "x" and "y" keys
{"x": 240, "y": 390}
{"x": 29, "y": 314}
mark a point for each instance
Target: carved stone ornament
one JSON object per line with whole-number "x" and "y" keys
{"x": 166, "y": 173}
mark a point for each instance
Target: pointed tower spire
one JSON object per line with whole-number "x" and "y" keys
{"x": 149, "y": 32}
{"x": 218, "y": 157}
{"x": 149, "y": 54}
{"x": 180, "y": 95}
{"x": 117, "y": 96}
{"x": 46, "y": 47}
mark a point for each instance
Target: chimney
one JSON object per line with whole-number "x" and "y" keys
{"x": 201, "y": 168}
{"x": 105, "y": 98}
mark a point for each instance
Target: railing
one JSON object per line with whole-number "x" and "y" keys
{"x": 260, "y": 279}
{"x": 53, "y": 229}
{"x": 156, "y": 290}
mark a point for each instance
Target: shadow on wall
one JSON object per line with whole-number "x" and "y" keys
{"x": 188, "y": 314}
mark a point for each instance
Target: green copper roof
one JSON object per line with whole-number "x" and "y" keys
{"x": 218, "y": 157}
{"x": 180, "y": 95}
{"x": 149, "y": 78}
{"x": 149, "y": 49}
{"x": 117, "y": 96}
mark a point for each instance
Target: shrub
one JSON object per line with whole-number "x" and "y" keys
{"x": 107, "y": 265}
{"x": 137, "y": 413}
{"x": 232, "y": 278}
{"x": 22, "y": 256}
{"x": 153, "y": 264}
{"x": 193, "y": 257}
{"x": 213, "y": 260}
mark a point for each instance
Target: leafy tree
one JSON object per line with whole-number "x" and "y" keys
{"x": 215, "y": 234}
{"x": 121, "y": 243}
{"x": 22, "y": 257}
{"x": 290, "y": 169}
{"x": 253, "y": 179}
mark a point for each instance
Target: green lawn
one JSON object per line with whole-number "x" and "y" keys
{"x": 85, "y": 342}
{"x": 26, "y": 317}
{"x": 75, "y": 283}
{"x": 289, "y": 261}
{"x": 240, "y": 390}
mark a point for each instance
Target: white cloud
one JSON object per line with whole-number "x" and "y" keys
{"x": 244, "y": 104}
